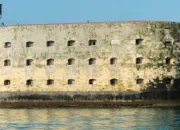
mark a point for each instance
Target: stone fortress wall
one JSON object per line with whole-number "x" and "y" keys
{"x": 109, "y": 56}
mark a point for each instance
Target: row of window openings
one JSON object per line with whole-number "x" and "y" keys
{"x": 50, "y": 82}
{"x": 113, "y": 82}
{"x": 69, "y": 43}
{"x": 72, "y": 43}
{"x": 167, "y": 42}
{"x": 168, "y": 60}
{"x": 72, "y": 81}
{"x": 50, "y": 43}
{"x": 91, "y": 61}
{"x": 166, "y": 81}
{"x": 51, "y": 61}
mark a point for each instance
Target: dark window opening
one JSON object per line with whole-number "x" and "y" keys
{"x": 139, "y": 81}
{"x": 50, "y": 82}
{"x": 176, "y": 83}
{"x": 7, "y": 45}
{"x": 50, "y": 62}
{"x": 29, "y": 82}
{"x": 92, "y": 61}
{"x": 169, "y": 81}
{"x": 7, "y": 63}
{"x": 29, "y": 62}
{"x": 71, "y": 81}
{"x": 178, "y": 58}
{"x": 113, "y": 82}
{"x": 168, "y": 60}
{"x": 178, "y": 37}
{"x": 168, "y": 42}
{"x": 139, "y": 60}
{"x": 71, "y": 61}
{"x": 71, "y": 42}
{"x": 139, "y": 41}
{"x": 92, "y": 81}
{"x": 167, "y": 27}
{"x": 50, "y": 43}
{"x": 7, "y": 82}
{"x": 113, "y": 61}
{"x": 92, "y": 42}
{"x": 29, "y": 44}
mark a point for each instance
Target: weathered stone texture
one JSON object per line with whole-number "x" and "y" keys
{"x": 113, "y": 40}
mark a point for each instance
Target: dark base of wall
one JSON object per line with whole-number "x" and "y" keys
{"x": 89, "y": 99}
{"x": 110, "y": 95}
{"x": 87, "y": 104}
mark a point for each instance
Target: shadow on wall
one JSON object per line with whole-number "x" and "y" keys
{"x": 165, "y": 84}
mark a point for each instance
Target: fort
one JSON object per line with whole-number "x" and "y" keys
{"x": 90, "y": 58}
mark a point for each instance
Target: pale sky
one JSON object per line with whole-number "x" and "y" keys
{"x": 58, "y": 11}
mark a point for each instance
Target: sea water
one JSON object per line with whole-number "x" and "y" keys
{"x": 90, "y": 119}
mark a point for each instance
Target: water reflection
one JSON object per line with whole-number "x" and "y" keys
{"x": 90, "y": 119}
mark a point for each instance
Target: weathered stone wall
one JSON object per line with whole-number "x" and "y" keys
{"x": 116, "y": 39}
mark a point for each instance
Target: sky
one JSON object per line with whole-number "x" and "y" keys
{"x": 68, "y": 11}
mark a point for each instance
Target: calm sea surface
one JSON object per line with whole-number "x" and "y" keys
{"x": 90, "y": 119}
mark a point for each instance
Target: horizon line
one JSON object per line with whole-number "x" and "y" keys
{"x": 93, "y": 22}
